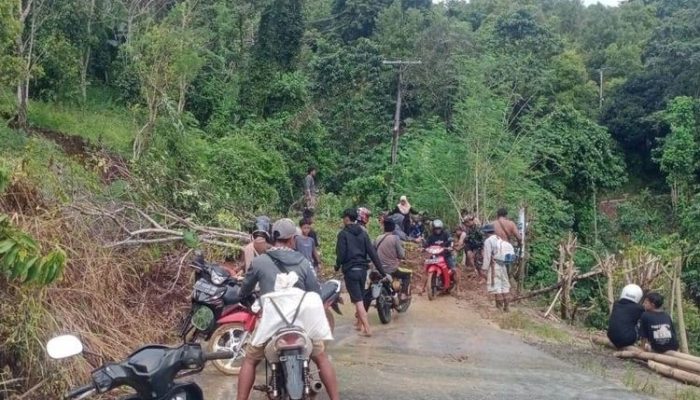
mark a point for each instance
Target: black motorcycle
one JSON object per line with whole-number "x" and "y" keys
{"x": 214, "y": 294}
{"x": 388, "y": 293}
{"x": 151, "y": 371}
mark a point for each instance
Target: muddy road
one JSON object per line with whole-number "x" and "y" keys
{"x": 442, "y": 350}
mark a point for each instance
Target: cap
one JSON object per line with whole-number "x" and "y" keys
{"x": 403, "y": 198}
{"x": 488, "y": 228}
{"x": 284, "y": 229}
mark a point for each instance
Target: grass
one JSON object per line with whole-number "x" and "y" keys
{"x": 517, "y": 320}
{"x": 101, "y": 121}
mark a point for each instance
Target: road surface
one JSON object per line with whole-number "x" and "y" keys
{"x": 442, "y": 350}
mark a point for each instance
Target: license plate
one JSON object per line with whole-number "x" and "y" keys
{"x": 206, "y": 287}
{"x": 431, "y": 261}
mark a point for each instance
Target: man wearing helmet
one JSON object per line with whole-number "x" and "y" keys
{"x": 622, "y": 325}
{"x": 363, "y": 215}
{"x": 442, "y": 237}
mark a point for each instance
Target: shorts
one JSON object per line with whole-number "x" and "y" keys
{"x": 355, "y": 280}
{"x": 257, "y": 353}
{"x": 450, "y": 260}
{"x": 497, "y": 281}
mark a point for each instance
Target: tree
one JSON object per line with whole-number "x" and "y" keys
{"x": 356, "y": 19}
{"x": 166, "y": 57}
{"x": 678, "y": 154}
{"x": 10, "y": 29}
{"x": 31, "y": 15}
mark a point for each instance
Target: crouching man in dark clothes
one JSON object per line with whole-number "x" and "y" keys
{"x": 622, "y": 326}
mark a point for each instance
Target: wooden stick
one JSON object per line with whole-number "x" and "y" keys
{"x": 682, "y": 334}
{"x": 556, "y": 297}
{"x": 556, "y": 286}
{"x": 661, "y": 358}
{"x": 683, "y": 356}
{"x": 673, "y": 373}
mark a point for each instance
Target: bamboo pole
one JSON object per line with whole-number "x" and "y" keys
{"x": 661, "y": 358}
{"x": 679, "y": 304}
{"x": 683, "y": 376}
{"x": 551, "y": 306}
{"x": 684, "y": 356}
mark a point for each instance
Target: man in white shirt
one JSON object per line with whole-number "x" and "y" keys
{"x": 497, "y": 254}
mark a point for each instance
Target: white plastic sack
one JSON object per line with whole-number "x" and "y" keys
{"x": 502, "y": 249}
{"x": 311, "y": 317}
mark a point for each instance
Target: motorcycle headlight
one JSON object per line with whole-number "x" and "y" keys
{"x": 217, "y": 278}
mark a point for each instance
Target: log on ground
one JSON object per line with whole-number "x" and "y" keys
{"x": 674, "y": 373}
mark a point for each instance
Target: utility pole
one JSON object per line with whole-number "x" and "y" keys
{"x": 397, "y": 113}
{"x": 600, "y": 87}
{"x": 396, "y": 130}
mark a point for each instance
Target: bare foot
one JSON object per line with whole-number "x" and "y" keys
{"x": 365, "y": 334}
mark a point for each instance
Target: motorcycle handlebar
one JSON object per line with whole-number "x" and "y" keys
{"x": 218, "y": 355}
{"x": 79, "y": 391}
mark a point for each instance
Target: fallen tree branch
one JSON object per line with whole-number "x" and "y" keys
{"x": 156, "y": 225}
{"x": 558, "y": 285}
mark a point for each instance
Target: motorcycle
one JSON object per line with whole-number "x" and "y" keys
{"x": 288, "y": 375}
{"x": 440, "y": 276}
{"x": 386, "y": 295}
{"x": 217, "y": 317}
{"x": 150, "y": 371}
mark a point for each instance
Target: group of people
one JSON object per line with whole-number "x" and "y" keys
{"x": 293, "y": 249}
{"x": 631, "y": 322}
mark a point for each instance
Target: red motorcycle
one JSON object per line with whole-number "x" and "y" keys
{"x": 440, "y": 276}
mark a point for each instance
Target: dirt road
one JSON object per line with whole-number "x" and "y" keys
{"x": 444, "y": 350}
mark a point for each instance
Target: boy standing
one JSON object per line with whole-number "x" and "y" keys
{"x": 306, "y": 245}
{"x": 655, "y": 326}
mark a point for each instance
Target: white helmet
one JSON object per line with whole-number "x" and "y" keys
{"x": 632, "y": 292}
{"x": 437, "y": 224}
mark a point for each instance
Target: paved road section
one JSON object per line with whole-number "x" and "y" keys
{"x": 442, "y": 350}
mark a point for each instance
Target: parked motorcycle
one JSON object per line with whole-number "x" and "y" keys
{"x": 440, "y": 276}
{"x": 217, "y": 317}
{"x": 150, "y": 371}
{"x": 386, "y": 295}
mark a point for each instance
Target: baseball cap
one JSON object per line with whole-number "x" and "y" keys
{"x": 284, "y": 229}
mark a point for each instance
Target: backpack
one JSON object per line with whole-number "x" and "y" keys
{"x": 504, "y": 253}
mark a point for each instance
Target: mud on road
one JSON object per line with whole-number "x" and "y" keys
{"x": 443, "y": 350}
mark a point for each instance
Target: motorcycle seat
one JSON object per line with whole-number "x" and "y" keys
{"x": 328, "y": 289}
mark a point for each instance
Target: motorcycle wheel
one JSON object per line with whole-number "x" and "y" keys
{"x": 403, "y": 306}
{"x": 228, "y": 337}
{"x": 432, "y": 286}
{"x": 384, "y": 307}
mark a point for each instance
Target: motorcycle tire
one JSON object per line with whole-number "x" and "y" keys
{"x": 403, "y": 306}
{"x": 432, "y": 286}
{"x": 227, "y": 337}
{"x": 384, "y": 307}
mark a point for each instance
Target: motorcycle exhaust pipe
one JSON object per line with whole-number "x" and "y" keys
{"x": 317, "y": 387}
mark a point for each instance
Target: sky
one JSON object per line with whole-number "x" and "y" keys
{"x": 606, "y": 2}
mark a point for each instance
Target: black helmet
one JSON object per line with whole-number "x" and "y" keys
{"x": 488, "y": 228}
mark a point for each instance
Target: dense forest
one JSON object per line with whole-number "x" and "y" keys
{"x": 589, "y": 116}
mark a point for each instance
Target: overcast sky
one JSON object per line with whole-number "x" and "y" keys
{"x": 606, "y": 2}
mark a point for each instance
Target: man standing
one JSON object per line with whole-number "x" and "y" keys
{"x": 505, "y": 228}
{"x": 352, "y": 250}
{"x": 496, "y": 255}
{"x": 474, "y": 242}
{"x": 310, "y": 188}
{"x": 282, "y": 258}
{"x": 391, "y": 252}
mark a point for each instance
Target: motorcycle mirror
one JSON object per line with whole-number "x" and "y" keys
{"x": 64, "y": 346}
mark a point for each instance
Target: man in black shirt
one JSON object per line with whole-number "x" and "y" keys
{"x": 352, "y": 250}
{"x": 622, "y": 325}
{"x": 656, "y": 326}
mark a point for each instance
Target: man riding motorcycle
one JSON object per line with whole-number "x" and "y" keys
{"x": 441, "y": 237}
{"x": 282, "y": 258}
